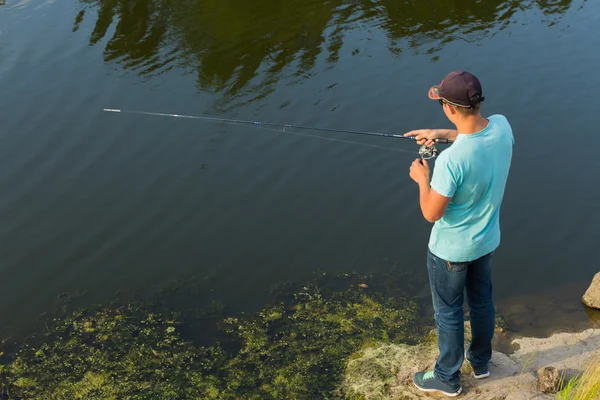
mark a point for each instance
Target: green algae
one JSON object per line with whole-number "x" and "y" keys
{"x": 296, "y": 347}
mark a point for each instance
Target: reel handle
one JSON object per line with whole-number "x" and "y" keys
{"x": 428, "y": 152}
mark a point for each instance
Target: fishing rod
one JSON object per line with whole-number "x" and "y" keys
{"x": 425, "y": 152}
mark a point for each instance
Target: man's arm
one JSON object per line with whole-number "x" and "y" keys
{"x": 433, "y": 204}
{"x": 449, "y": 134}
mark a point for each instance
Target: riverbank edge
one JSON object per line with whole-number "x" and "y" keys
{"x": 514, "y": 376}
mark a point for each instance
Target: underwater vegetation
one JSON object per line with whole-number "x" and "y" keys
{"x": 296, "y": 347}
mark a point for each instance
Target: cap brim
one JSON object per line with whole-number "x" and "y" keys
{"x": 434, "y": 93}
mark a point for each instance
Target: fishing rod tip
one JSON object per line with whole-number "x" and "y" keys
{"x": 111, "y": 110}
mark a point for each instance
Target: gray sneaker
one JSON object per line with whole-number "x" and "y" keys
{"x": 427, "y": 382}
{"x": 481, "y": 374}
{"x": 478, "y": 373}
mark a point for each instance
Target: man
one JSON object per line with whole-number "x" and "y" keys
{"x": 463, "y": 200}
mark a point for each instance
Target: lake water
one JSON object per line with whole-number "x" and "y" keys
{"x": 96, "y": 202}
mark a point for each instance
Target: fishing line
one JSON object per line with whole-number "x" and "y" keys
{"x": 332, "y": 139}
{"x": 244, "y": 122}
{"x": 424, "y": 152}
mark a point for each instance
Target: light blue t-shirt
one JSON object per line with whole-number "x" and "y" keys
{"x": 473, "y": 172}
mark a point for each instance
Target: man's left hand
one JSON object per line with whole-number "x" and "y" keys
{"x": 419, "y": 171}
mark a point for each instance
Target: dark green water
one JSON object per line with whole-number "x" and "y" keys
{"x": 95, "y": 202}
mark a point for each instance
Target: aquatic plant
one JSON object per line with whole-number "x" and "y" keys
{"x": 294, "y": 348}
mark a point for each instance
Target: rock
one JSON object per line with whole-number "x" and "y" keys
{"x": 591, "y": 298}
{"x": 548, "y": 380}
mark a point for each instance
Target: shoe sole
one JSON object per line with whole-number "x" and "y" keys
{"x": 481, "y": 376}
{"x": 454, "y": 394}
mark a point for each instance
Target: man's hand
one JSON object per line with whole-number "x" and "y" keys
{"x": 428, "y": 136}
{"x": 419, "y": 171}
{"x": 424, "y": 136}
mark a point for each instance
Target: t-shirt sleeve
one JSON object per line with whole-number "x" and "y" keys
{"x": 445, "y": 178}
{"x": 501, "y": 121}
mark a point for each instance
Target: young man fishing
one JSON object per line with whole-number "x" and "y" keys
{"x": 463, "y": 199}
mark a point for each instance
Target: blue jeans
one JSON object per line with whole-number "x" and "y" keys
{"x": 449, "y": 281}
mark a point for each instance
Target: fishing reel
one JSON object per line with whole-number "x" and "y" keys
{"x": 428, "y": 152}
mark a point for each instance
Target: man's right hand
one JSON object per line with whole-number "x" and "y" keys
{"x": 428, "y": 136}
{"x": 424, "y": 136}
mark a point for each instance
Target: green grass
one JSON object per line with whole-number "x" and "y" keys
{"x": 585, "y": 386}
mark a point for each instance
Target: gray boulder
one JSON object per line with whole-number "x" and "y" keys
{"x": 591, "y": 298}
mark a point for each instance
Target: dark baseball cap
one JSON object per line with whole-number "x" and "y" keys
{"x": 458, "y": 88}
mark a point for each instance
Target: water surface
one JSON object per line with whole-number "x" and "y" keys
{"x": 102, "y": 202}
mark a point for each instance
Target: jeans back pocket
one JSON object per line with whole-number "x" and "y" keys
{"x": 456, "y": 266}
